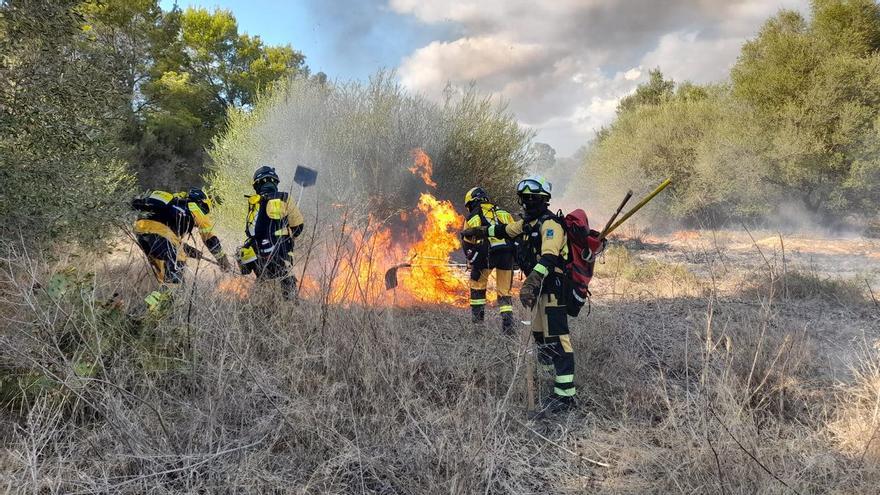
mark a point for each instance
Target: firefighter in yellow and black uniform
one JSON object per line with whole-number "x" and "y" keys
{"x": 542, "y": 250}
{"x": 485, "y": 255}
{"x": 272, "y": 224}
{"x": 164, "y": 220}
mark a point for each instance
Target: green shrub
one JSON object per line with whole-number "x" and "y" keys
{"x": 63, "y": 174}
{"x": 361, "y": 139}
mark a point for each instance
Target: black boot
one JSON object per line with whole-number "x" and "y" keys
{"x": 557, "y": 404}
{"x": 478, "y": 314}
{"x": 507, "y": 326}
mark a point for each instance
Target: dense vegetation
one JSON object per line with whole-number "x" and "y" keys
{"x": 362, "y": 138}
{"x": 94, "y": 94}
{"x": 716, "y": 363}
{"x": 798, "y": 122}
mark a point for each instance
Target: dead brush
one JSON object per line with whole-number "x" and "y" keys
{"x": 629, "y": 273}
{"x": 686, "y": 393}
{"x": 855, "y": 427}
{"x": 256, "y": 395}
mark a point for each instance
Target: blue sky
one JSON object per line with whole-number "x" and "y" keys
{"x": 560, "y": 65}
{"x": 343, "y": 50}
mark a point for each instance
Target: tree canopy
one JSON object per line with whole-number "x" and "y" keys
{"x": 95, "y": 91}
{"x": 798, "y": 121}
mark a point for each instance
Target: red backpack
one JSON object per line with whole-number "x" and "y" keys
{"x": 583, "y": 244}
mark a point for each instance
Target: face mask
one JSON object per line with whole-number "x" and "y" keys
{"x": 267, "y": 187}
{"x": 533, "y": 208}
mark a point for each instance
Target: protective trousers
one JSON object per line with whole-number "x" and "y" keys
{"x": 167, "y": 264}
{"x": 276, "y": 266}
{"x": 502, "y": 263}
{"x": 550, "y": 330}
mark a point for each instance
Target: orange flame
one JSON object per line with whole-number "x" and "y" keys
{"x": 422, "y": 166}
{"x": 353, "y": 264}
{"x": 238, "y": 287}
{"x": 432, "y": 281}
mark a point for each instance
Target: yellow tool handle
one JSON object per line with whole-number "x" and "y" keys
{"x": 637, "y": 207}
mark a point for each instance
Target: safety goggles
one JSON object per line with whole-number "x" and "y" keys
{"x": 532, "y": 186}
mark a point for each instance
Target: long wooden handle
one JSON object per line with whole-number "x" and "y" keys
{"x": 530, "y": 381}
{"x": 639, "y": 206}
{"x": 613, "y": 217}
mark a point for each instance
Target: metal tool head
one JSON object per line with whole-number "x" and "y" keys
{"x": 391, "y": 276}
{"x": 305, "y": 176}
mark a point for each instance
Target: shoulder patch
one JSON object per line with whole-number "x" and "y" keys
{"x": 549, "y": 233}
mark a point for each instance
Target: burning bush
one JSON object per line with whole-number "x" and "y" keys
{"x": 386, "y": 161}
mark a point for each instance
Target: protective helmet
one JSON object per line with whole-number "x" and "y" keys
{"x": 197, "y": 195}
{"x": 265, "y": 174}
{"x": 475, "y": 194}
{"x": 534, "y": 185}
{"x": 534, "y": 195}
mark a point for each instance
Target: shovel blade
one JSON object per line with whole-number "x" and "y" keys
{"x": 391, "y": 278}
{"x": 305, "y": 176}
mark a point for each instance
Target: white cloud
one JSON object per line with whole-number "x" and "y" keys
{"x": 563, "y": 65}
{"x": 685, "y": 56}
{"x": 632, "y": 74}
{"x": 485, "y": 59}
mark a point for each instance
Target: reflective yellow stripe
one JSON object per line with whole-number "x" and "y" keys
{"x": 275, "y": 209}
{"x": 162, "y": 196}
{"x": 491, "y": 231}
{"x": 281, "y": 232}
{"x": 505, "y": 309}
{"x": 541, "y": 269}
{"x": 564, "y": 378}
{"x": 206, "y": 226}
{"x": 247, "y": 255}
{"x": 570, "y": 392}
{"x": 503, "y": 216}
{"x": 156, "y": 298}
{"x": 478, "y": 302}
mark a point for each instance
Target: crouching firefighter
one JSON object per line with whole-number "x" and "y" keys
{"x": 272, "y": 224}
{"x": 164, "y": 220}
{"x": 542, "y": 251}
{"x": 487, "y": 254}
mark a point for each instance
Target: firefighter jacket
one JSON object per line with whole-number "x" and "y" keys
{"x": 173, "y": 216}
{"x": 485, "y": 214}
{"x": 272, "y": 223}
{"x": 541, "y": 243}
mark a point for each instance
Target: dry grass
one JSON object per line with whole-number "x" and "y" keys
{"x": 635, "y": 274}
{"x": 729, "y": 393}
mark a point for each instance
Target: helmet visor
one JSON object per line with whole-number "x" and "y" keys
{"x": 531, "y": 186}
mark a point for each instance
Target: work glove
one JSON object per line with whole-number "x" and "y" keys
{"x": 481, "y": 232}
{"x": 224, "y": 263}
{"x": 529, "y": 292}
{"x": 471, "y": 255}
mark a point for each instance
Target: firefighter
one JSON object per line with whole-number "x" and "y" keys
{"x": 485, "y": 255}
{"x": 542, "y": 250}
{"x": 164, "y": 220}
{"x": 272, "y": 224}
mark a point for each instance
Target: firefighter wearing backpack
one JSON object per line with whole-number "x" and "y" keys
{"x": 485, "y": 255}
{"x": 164, "y": 220}
{"x": 542, "y": 253}
{"x": 271, "y": 225}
